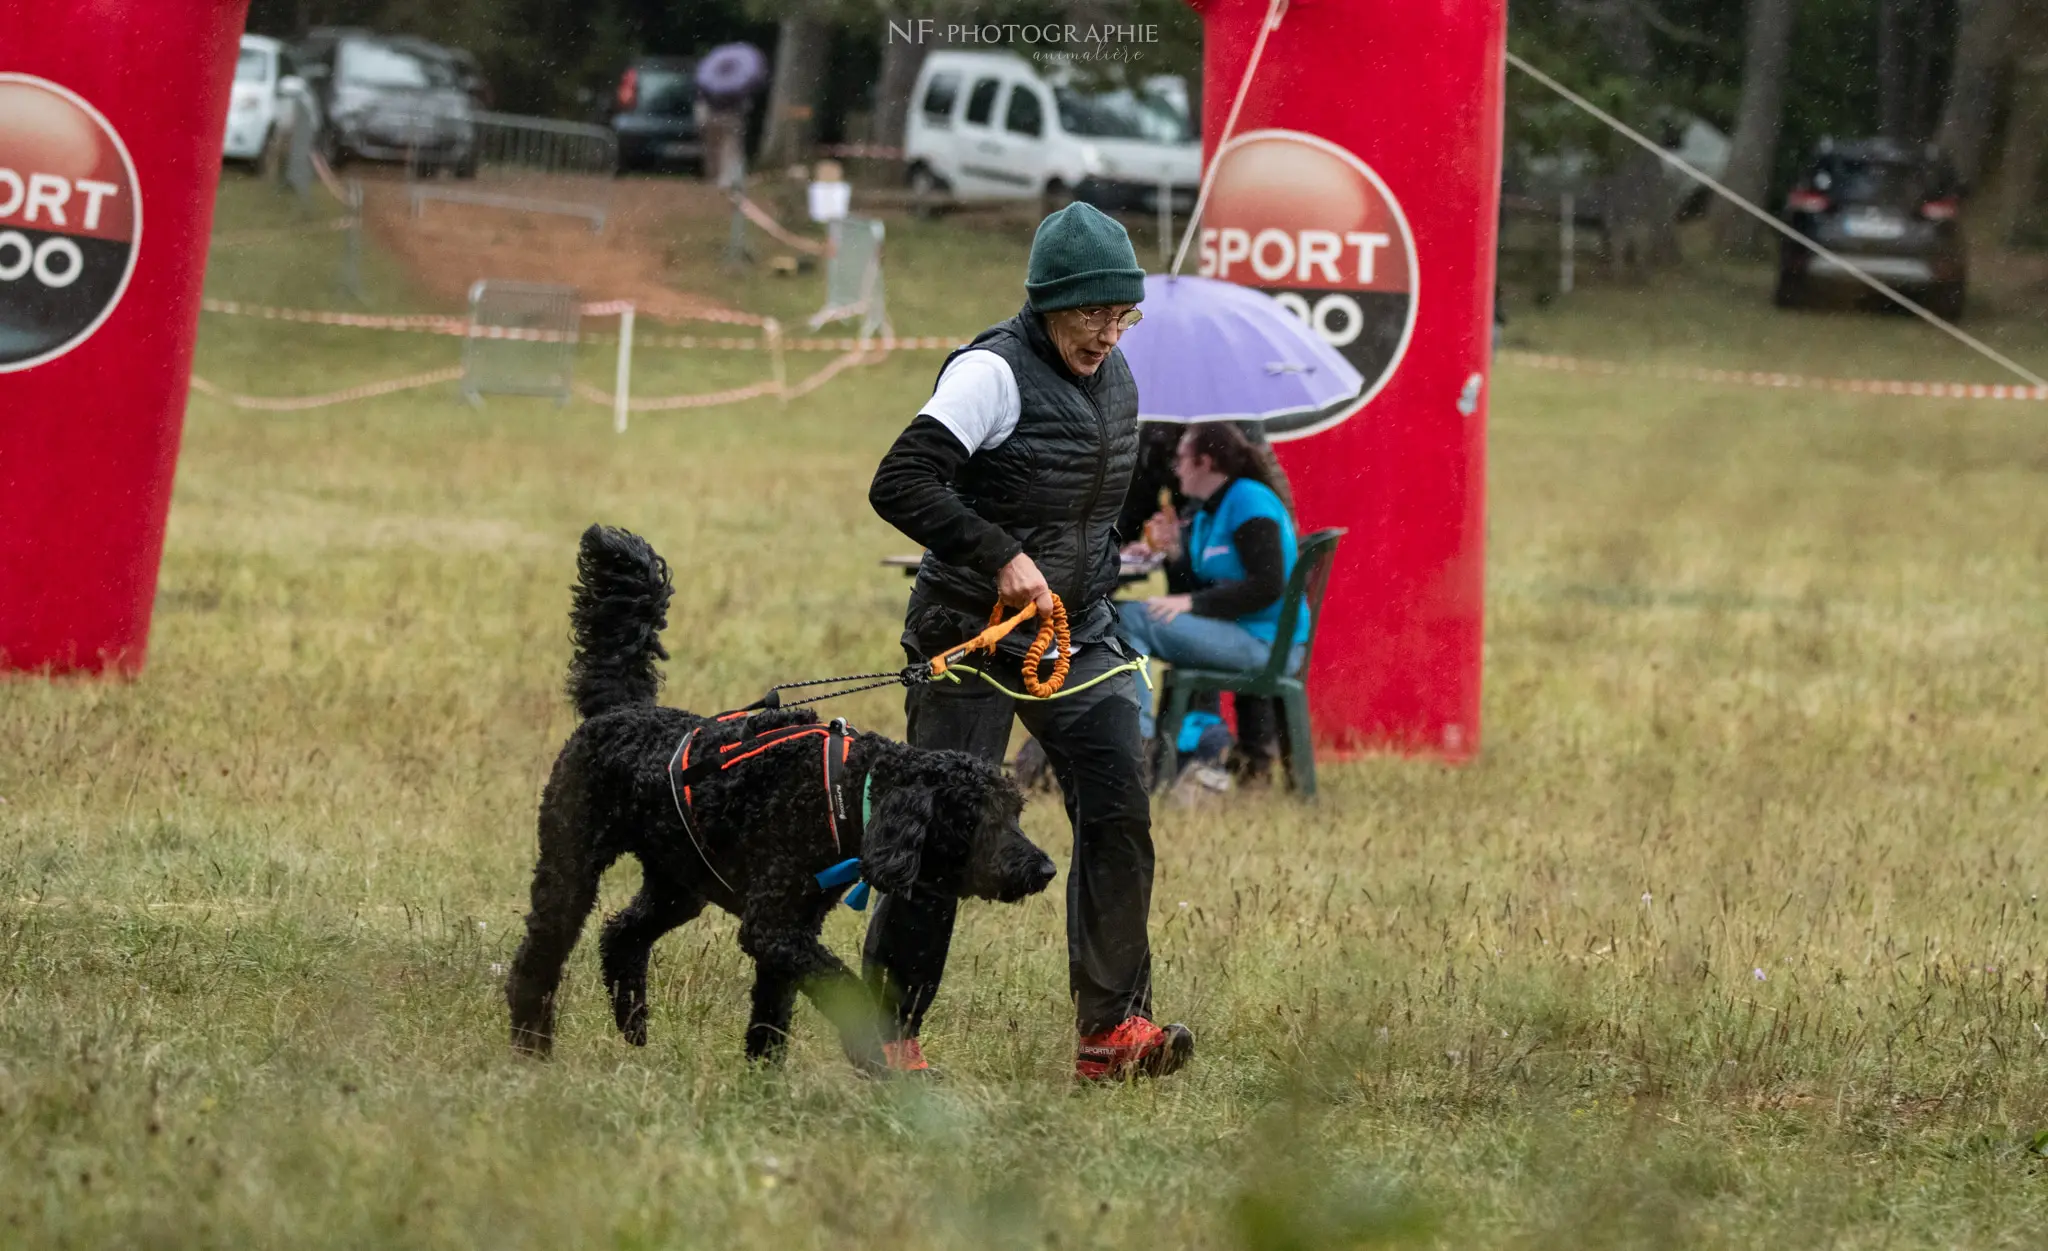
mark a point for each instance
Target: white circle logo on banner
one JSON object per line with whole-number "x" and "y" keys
{"x": 1310, "y": 224}
{"x": 70, "y": 220}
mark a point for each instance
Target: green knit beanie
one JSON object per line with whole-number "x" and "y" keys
{"x": 1082, "y": 256}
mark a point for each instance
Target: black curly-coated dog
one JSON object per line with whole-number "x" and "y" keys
{"x": 759, "y": 830}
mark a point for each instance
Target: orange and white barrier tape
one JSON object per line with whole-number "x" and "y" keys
{"x": 754, "y": 391}
{"x": 422, "y": 323}
{"x": 829, "y": 372}
{"x": 759, "y": 216}
{"x": 325, "y": 172}
{"x": 671, "y": 403}
{"x": 297, "y": 404}
{"x": 644, "y": 404}
{"x": 1795, "y": 382}
{"x": 459, "y": 328}
{"x": 662, "y": 310}
{"x": 908, "y": 343}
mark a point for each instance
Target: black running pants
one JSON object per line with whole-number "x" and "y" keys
{"x": 1091, "y": 740}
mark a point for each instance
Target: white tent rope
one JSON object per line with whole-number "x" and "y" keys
{"x": 1271, "y": 24}
{"x": 1768, "y": 219}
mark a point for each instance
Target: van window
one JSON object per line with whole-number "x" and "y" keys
{"x": 939, "y": 97}
{"x": 253, "y": 66}
{"x": 1121, "y": 115}
{"x": 1025, "y": 115}
{"x": 981, "y": 106}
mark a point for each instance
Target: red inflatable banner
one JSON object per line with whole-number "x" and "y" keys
{"x": 110, "y": 141}
{"x": 1361, "y": 187}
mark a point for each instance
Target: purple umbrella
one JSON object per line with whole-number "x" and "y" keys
{"x": 1210, "y": 350}
{"x": 731, "y": 72}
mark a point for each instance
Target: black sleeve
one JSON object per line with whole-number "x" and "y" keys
{"x": 1258, "y": 549}
{"x": 913, "y": 491}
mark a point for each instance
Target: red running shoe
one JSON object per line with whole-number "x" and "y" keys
{"x": 906, "y": 1059}
{"x": 1136, "y": 1048}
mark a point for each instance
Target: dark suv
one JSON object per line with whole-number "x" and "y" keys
{"x": 1885, "y": 208}
{"x": 653, "y": 114}
{"x": 391, "y": 99}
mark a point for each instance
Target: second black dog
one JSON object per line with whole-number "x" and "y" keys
{"x": 759, "y": 830}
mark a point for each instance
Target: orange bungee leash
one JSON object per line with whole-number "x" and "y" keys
{"x": 1052, "y": 629}
{"x": 947, "y": 666}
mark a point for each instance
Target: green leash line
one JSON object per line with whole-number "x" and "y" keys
{"x": 1144, "y": 674}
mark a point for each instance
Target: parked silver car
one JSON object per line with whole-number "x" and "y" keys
{"x": 389, "y": 99}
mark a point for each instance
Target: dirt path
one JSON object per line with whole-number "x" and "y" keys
{"x": 449, "y": 246}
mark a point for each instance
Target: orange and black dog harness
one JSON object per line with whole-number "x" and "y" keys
{"x": 686, "y": 770}
{"x": 836, "y": 744}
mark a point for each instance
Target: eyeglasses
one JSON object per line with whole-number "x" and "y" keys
{"x": 1097, "y": 320}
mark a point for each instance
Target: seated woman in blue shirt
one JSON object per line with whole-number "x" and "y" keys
{"x": 1240, "y": 549}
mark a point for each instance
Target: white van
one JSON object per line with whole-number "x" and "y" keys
{"x": 259, "y": 106}
{"x": 992, "y": 126}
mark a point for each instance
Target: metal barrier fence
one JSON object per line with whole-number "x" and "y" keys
{"x": 527, "y": 164}
{"x": 540, "y": 360}
{"x": 853, "y": 277}
{"x": 296, "y": 169}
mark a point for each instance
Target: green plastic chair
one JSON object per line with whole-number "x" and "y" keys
{"x": 1305, "y": 586}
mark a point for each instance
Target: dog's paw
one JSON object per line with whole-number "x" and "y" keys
{"x": 532, "y": 1044}
{"x": 766, "y": 1045}
{"x": 634, "y": 1028}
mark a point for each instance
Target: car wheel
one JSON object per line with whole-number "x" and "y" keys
{"x": 1058, "y": 195}
{"x": 927, "y": 192}
{"x": 466, "y": 167}
{"x": 1946, "y": 301}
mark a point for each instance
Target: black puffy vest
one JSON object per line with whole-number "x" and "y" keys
{"x": 1057, "y": 483}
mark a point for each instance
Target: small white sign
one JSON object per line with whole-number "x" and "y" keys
{"x": 830, "y": 201}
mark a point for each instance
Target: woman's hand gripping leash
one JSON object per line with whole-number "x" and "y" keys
{"x": 1051, "y": 628}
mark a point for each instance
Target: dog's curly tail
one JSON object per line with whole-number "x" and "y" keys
{"x": 616, "y": 619}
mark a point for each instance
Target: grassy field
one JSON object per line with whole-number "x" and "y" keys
{"x": 1731, "y": 936}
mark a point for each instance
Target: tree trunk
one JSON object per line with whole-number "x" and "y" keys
{"x": 800, "y": 50}
{"x": 1894, "y": 81}
{"x": 1767, "y": 49}
{"x": 1638, "y": 212}
{"x": 1981, "y": 48}
{"x": 2026, "y": 146}
{"x": 1923, "y": 72}
{"x": 901, "y": 59}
